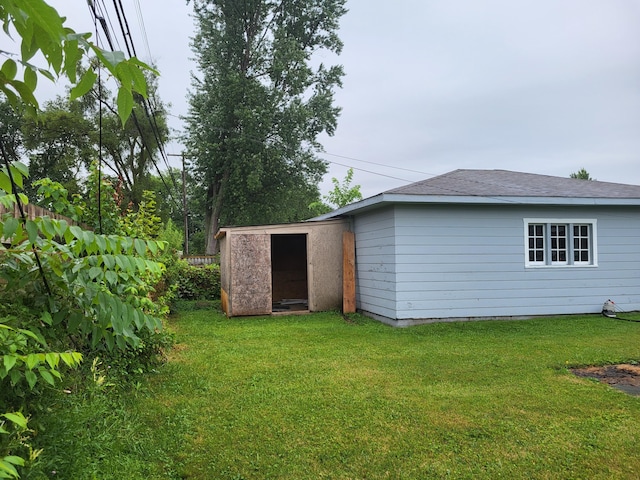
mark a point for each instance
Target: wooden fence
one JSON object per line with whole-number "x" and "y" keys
{"x": 32, "y": 212}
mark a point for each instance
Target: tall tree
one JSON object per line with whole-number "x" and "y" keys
{"x": 129, "y": 151}
{"x": 258, "y": 106}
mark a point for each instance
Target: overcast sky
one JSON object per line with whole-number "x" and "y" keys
{"x": 540, "y": 86}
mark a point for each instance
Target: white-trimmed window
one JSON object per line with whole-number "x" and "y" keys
{"x": 560, "y": 242}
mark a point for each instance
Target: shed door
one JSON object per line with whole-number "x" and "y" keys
{"x": 250, "y": 274}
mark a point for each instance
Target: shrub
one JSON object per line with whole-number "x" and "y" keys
{"x": 195, "y": 283}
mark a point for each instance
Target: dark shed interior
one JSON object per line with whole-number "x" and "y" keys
{"x": 290, "y": 288}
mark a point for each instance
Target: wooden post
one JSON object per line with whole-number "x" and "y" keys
{"x": 348, "y": 272}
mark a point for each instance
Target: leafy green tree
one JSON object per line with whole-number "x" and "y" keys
{"x": 61, "y": 143}
{"x": 581, "y": 174}
{"x": 340, "y": 196}
{"x": 11, "y": 126}
{"x": 258, "y": 106}
{"x": 129, "y": 152}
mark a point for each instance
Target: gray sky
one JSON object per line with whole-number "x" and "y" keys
{"x": 540, "y": 86}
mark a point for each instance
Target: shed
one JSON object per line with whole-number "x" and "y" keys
{"x": 474, "y": 244}
{"x": 283, "y": 268}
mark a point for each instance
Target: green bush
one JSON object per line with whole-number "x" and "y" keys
{"x": 194, "y": 283}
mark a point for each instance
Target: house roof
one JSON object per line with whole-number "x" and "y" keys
{"x": 500, "y": 183}
{"x": 499, "y": 187}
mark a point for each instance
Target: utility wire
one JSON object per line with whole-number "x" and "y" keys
{"x": 124, "y": 27}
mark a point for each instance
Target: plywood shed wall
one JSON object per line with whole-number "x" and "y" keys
{"x": 262, "y": 267}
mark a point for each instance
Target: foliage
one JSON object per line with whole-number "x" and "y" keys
{"x": 341, "y": 195}
{"x": 41, "y": 30}
{"x": 258, "y": 107}
{"x": 143, "y": 223}
{"x": 129, "y": 151}
{"x": 100, "y": 206}
{"x": 70, "y": 291}
{"x": 581, "y": 174}
{"x": 195, "y": 283}
{"x": 65, "y": 292}
{"x": 61, "y": 143}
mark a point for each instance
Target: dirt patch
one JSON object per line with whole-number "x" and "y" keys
{"x": 624, "y": 377}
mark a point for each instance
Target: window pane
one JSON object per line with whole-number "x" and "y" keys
{"x": 535, "y": 243}
{"x": 558, "y": 243}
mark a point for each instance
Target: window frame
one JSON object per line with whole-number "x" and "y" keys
{"x": 568, "y": 240}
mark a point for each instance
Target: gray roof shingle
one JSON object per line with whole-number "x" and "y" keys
{"x": 504, "y": 183}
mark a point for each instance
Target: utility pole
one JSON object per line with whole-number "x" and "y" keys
{"x": 184, "y": 202}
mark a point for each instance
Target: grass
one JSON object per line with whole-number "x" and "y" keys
{"x": 311, "y": 397}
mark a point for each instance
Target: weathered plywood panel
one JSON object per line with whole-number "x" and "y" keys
{"x": 250, "y": 274}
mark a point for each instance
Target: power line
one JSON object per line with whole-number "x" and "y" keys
{"x": 130, "y": 47}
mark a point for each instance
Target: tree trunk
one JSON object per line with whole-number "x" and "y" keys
{"x": 212, "y": 218}
{"x": 211, "y": 247}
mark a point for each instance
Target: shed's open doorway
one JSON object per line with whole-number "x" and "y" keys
{"x": 289, "y": 272}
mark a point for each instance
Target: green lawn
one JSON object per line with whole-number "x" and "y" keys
{"x": 310, "y": 397}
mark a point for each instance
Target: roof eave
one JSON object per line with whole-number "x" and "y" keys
{"x": 386, "y": 198}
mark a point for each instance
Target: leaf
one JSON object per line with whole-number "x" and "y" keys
{"x": 52, "y": 359}
{"x": 5, "y": 182}
{"x": 101, "y": 242}
{"x": 32, "y": 231}
{"x": 47, "y": 376}
{"x": 10, "y": 226}
{"x": 125, "y": 104}
{"x": 109, "y": 261}
{"x": 47, "y": 227}
{"x": 31, "y": 378}
{"x": 9, "y": 69}
{"x": 112, "y": 59}
{"x": 32, "y": 361}
{"x": 17, "y": 418}
{"x": 140, "y": 246}
{"x": 46, "y": 318}
{"x": 14, "y": 460}
{"x": 45, "y": 17}
{"x": 112, "y": 277}
{"x": 22, "y": 168}
{"x": 67, "y": 358}
{"x": 10, "y": 469}
{"x": 9, "y": 361}
{"x": 84, "y": 85}
{"x": 77, "y": 232}
{"x": 30, "y": 78}
{"x": 95, "y": 272}
{"x": 17, "y": 176}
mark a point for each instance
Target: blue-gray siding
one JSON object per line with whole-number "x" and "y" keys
{"x": 430, "y": 261}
